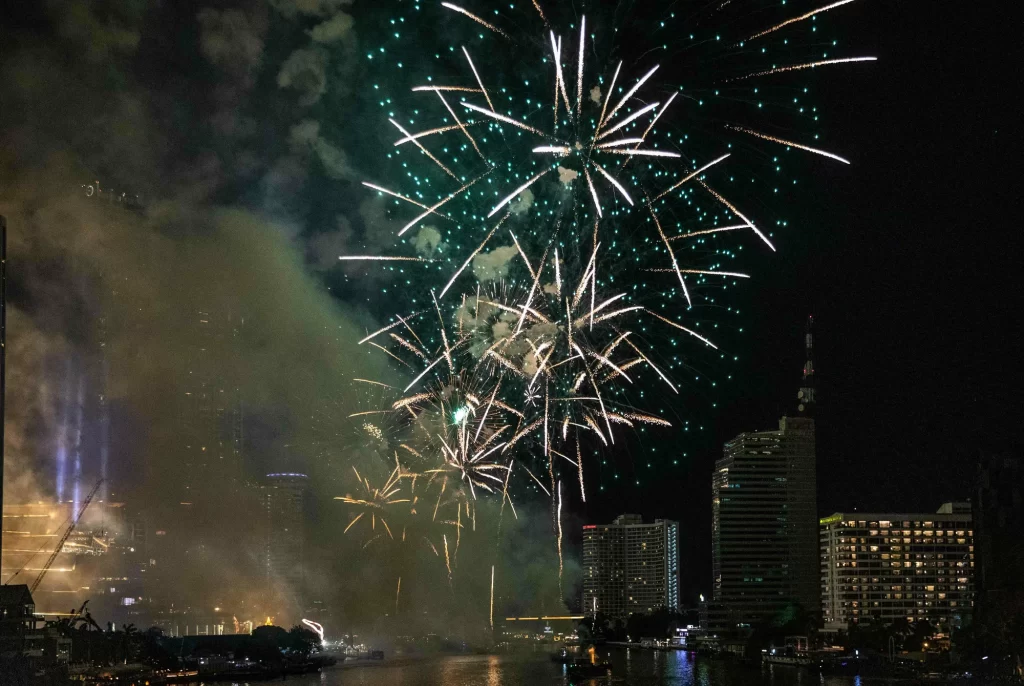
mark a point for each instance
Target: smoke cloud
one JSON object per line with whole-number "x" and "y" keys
{"x": 493, "y": 265}
{"x": 222, "y": 193}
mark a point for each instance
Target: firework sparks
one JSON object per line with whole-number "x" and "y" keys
{"x": 802, "y": 17}
{"x": 805, "y": 65}
{"x": 475, "y": 18}
{"x": 738, "y": 214}
{"x": 376, "y": 500}
{"x": 683, "y": 328}
{"x": 791, "y": 144}
{"x": 627, "y": 121}
{"x": 381, "y": 189}
{"x": 672, "y": 256}
{"x": 516, "y": 192}
{"x": 381, "y": 258}
{"x": 514, "y": 368}
{"x": 689, "y": 176}
{"x": 426, "y": 152}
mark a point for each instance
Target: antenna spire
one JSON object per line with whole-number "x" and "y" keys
{"x": 806, "y": 396}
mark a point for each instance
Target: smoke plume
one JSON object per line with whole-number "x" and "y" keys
{"x": 167, "y": 174}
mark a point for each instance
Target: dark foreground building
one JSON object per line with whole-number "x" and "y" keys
{"x": 999, "y": 537}
{"x": 765, "y": 522}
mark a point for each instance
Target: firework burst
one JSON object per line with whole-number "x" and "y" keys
{"x": 577, "y": 206}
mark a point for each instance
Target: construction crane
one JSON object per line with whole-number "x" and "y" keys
{"x": 64, "y": 538}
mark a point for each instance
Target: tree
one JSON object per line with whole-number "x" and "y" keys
{"x": 302, "y": 641}
{"x": 271, "y": 635}
{"x": 152, "y": 651}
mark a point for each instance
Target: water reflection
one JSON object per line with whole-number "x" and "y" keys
{"x": 494, "y": 671}
{"x": 629, "y": 668}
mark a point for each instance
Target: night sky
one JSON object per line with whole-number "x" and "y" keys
{"x": 908, "y": 259}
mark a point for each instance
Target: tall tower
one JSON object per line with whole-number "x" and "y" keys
{"x": 765, "y": 521}
{"x": 284, "y": 502}
{"x": 3, "y": 351}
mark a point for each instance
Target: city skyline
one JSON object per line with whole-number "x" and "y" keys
{"x": 914, "y": 320}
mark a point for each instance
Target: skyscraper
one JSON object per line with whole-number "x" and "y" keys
{"x": 3, "y": 353}
{"x": 999, "y": 531}
{"x": 764, "y": 520}
{"x": 211, "y": 413}
{"x": 629, "y": 566}
{"x": 888, "y": 566}
{"x": 284, "y": 502}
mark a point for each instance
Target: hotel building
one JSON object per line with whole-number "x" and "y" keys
{"x": 883, "y": 567}
{"x": 630, "y": 567}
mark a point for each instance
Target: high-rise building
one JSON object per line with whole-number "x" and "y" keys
{"x": 210, "y": 472}
{"x": 284, "y": 501}
{"x": 3, "y": 355}
{"x": 883, "y": 567}
{"x": 764, "y": 520}
{"x": 630, "y": 567}
{"x": 211, "y": 414}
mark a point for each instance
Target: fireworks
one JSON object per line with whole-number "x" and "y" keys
{"x": 510, "y": 367}
{"x": 582, "y": 232}
{"x": 375, "y": 500}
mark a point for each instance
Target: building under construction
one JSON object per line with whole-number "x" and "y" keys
{"x": 102, "y": 560}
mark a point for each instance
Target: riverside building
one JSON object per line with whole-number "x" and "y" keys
{"x": 630, "y": 567}
{"x": 764, "y": 532}
{"x": 884, "y": 567}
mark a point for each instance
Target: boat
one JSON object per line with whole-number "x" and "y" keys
{"x": 589, "y": 666}
{"x": 584, "y": 668}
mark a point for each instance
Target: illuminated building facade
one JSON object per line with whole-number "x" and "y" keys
{"x": 102, "y": 561}
{"x": 630, "y": 567}
{"x": 539, "y": 628}
{"x": 884, "y": 567}
{"x": 764, "y": 532}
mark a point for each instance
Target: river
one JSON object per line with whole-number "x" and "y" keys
{"x": 630, "y": 667}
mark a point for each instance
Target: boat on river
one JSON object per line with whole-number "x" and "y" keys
{"x": 588, "y": 666}
{"x": 583, "y": 669}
